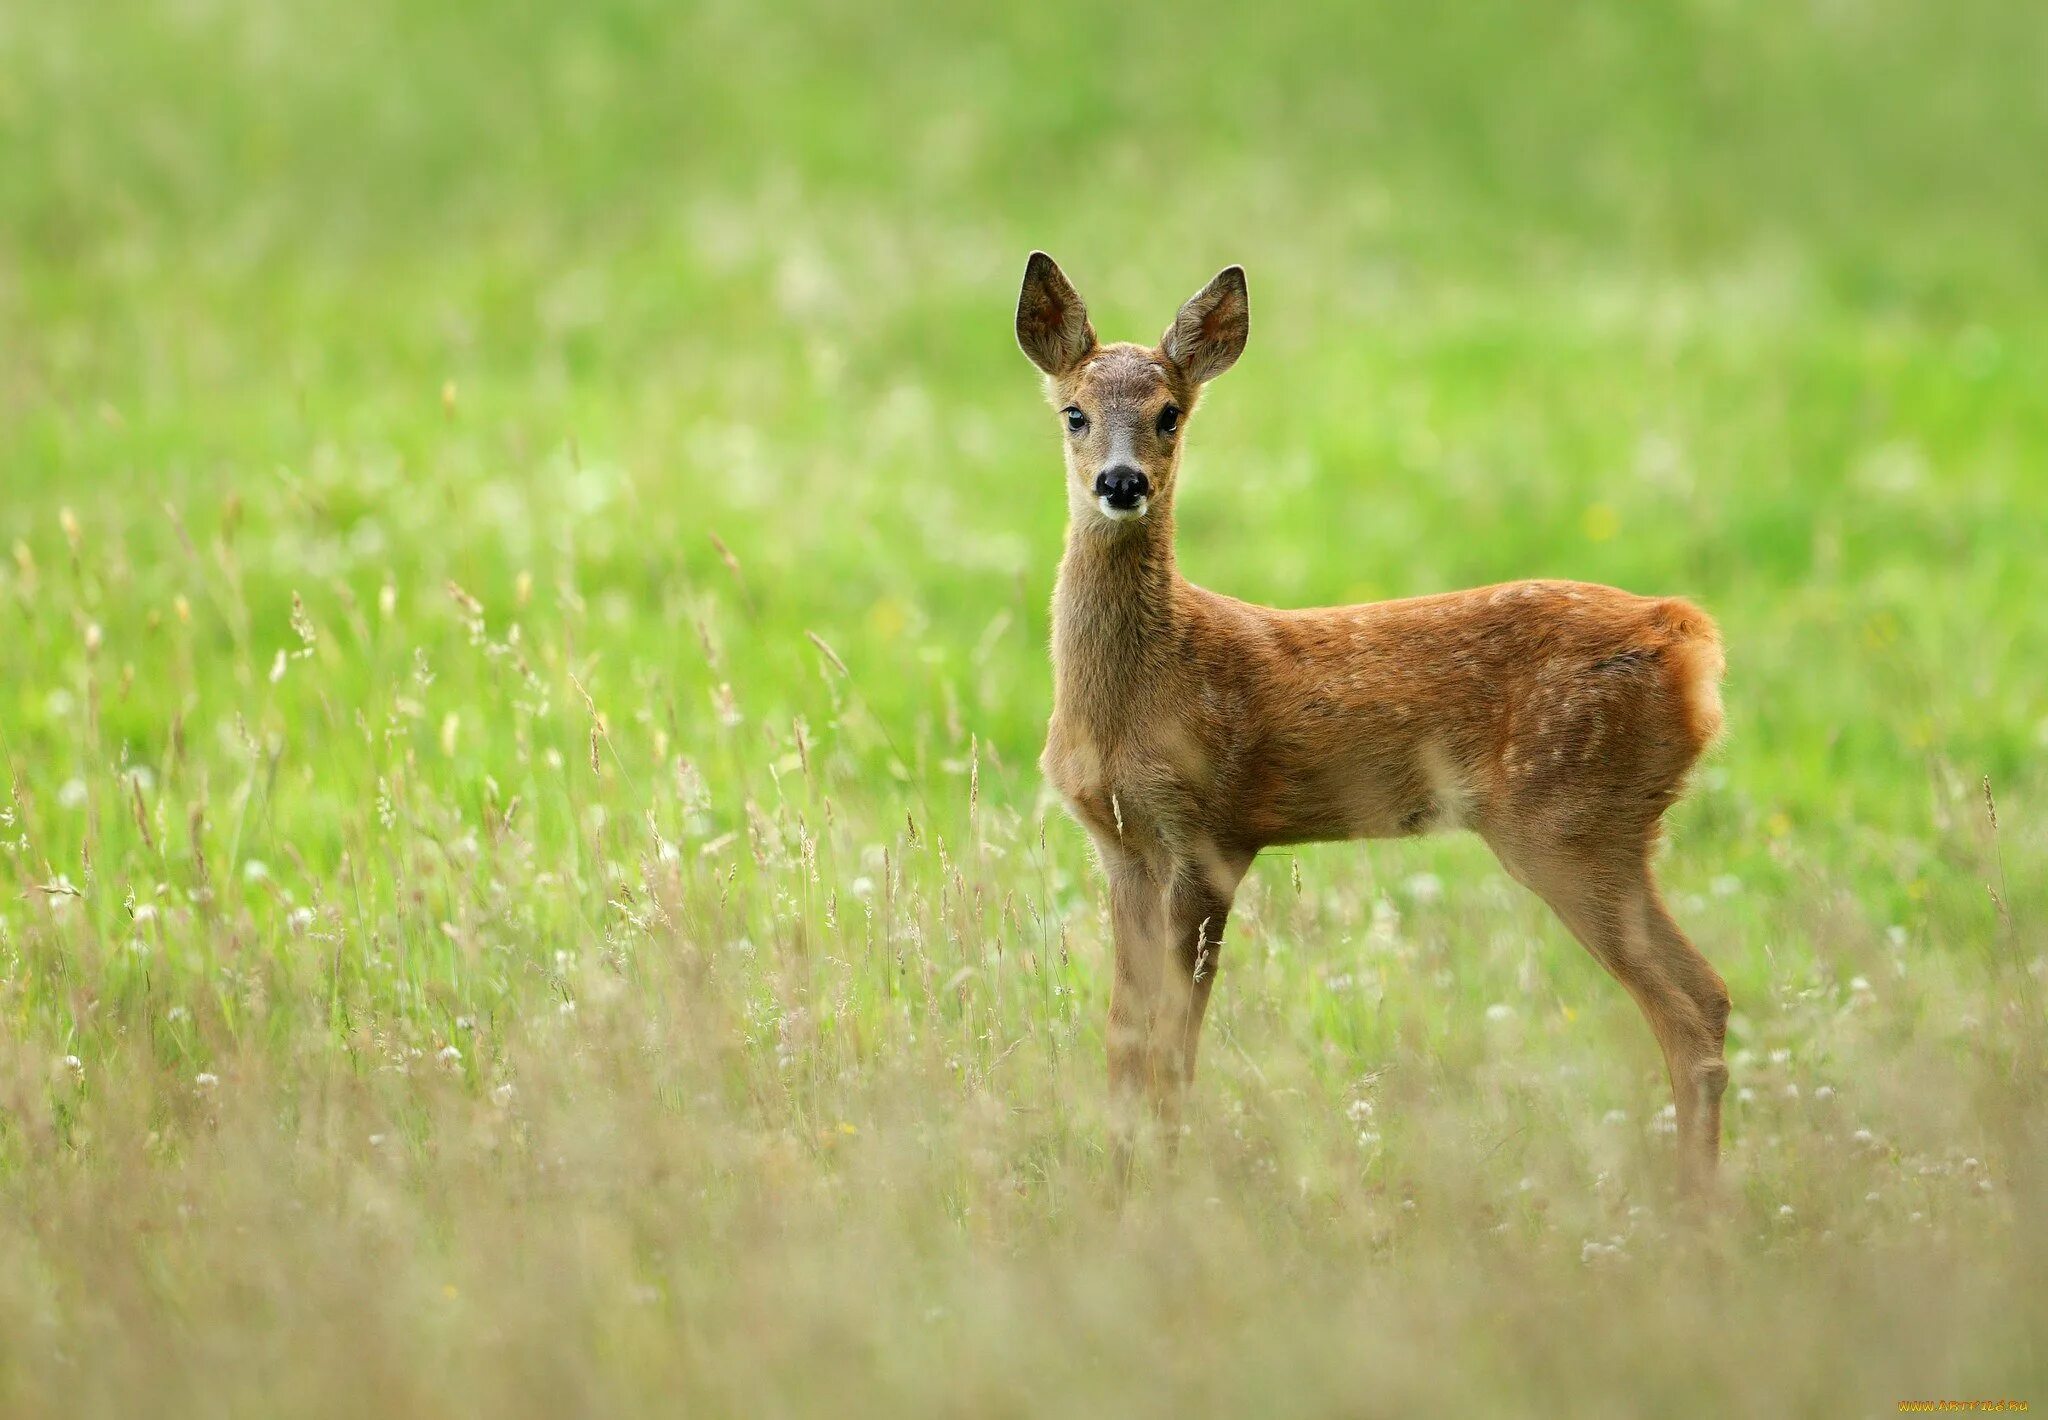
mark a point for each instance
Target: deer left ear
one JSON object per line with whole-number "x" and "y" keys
{"x": 1208, "y": 335}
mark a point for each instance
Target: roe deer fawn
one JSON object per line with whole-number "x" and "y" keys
{"x": 1558, "y": 720}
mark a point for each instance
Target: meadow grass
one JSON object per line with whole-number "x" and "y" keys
{"x": 524, "y": 885}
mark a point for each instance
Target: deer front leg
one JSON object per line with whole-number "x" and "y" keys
{"x": 1198, "y": 902}
{"x": 1137, "y": 913}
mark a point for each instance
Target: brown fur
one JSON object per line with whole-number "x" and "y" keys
{"x": 1558, "y": 720}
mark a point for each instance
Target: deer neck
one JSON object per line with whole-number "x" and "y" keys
{"x": 1115, "y": 616}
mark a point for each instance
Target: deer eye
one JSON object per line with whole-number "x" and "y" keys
{"x": 1076, "y": 420}
{"x": 1169, "y": 420}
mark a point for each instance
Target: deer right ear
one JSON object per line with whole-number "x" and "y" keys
{"x": 1052, "y": 322}
{"x": 1208, "y": 335}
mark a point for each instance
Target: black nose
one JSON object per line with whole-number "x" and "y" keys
{"x": 1123, "y": 487}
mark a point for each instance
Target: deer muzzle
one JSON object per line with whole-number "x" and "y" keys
{"x": 1121, "y": 492}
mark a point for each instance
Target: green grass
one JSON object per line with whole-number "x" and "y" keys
{"x": 465, "y": 945}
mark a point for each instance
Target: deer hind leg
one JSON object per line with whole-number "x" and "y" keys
{"x": 1699, "y": 1076}
{"x": 1611, "y": 904}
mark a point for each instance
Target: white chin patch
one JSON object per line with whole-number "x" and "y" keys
{"x": 1123, "y": 515}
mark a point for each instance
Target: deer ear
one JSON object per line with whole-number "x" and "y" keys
{"x": 1208, "y": 335}
{"x": 1052, "y": 322}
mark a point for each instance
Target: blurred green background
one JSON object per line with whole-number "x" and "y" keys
{"x": 1741, "y": 302}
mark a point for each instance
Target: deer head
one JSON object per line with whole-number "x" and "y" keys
{"x": 1122, "y": 406}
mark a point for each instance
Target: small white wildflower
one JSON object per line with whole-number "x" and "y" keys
{"x": 1781, "y": 1057}
{"x": 1784, "y": 1210}
{"x": 1860, "y": 985}
{"x": 176, "y": 1013}
{"x": 206, "y": 1079}
{"x": 1358, "y": 1111}
{"x": 1863, "y": 1138}
{"x": 863, "y": 888}
{"x": 376, "y": 1140}
{"x": 1425, "y": 888}
{"x": 73, "y": 1064}
{"x": 73, "y": 794}
{"x": 255, "y": 871}
{"x": 1614, "y": 1116}
{"x": 1744, "y": 1094}
{"x": 1791, "y": 1092}
{"x": 1870, "y": 1197}
{"x": 299, "y": 919}
{"x": 1667, "y": 1120}
{"x": 1500, "y": 1011}
{"x": 144, "y": 912}
{"x": 449, "y": 1055}
{"x": 1383, "y": 933}
{"x": 501, "y": 1095}
{"x": 1824, "y": 1093}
